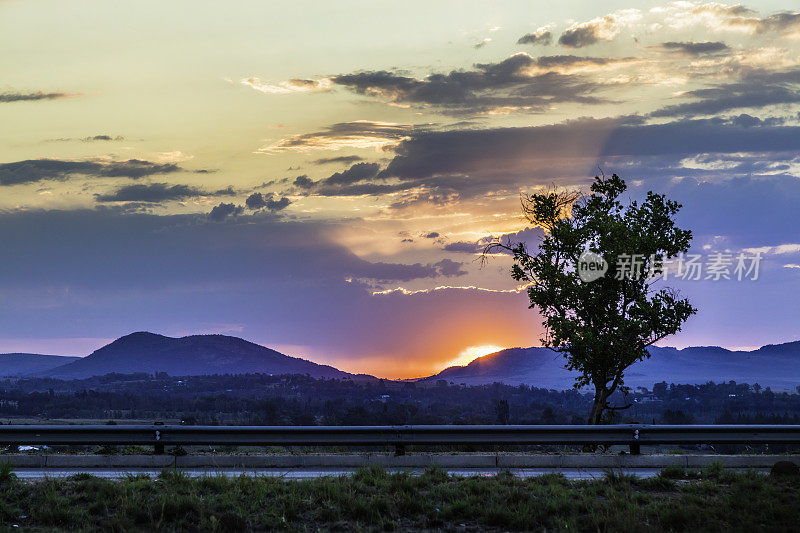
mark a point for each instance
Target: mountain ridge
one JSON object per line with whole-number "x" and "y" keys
{"x": 19, "y": 364}
{"x": 143, "y": 351}
{"x": 775, "y": 365}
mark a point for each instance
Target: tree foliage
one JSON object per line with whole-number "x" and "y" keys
{"x": 603, "y": 326}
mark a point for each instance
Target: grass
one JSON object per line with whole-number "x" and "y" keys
{"x": 371, "y": 499}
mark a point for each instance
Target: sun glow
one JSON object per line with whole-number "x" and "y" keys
{"x": 471, "y": 353}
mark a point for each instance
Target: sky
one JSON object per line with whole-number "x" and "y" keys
{"x": 319, "y": 177}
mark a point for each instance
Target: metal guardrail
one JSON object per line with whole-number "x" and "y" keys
{"x": 633, "y": 435}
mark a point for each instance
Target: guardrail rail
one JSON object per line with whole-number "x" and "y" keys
{"x": 632, "y": 435}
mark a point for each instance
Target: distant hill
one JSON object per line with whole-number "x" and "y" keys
{"x": 20, "y": 364}
{"x": 188, "y": 356}
{"x": 774, "y": 365}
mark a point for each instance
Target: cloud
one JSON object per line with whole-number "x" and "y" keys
{"x": 387, "y": 272}
{"x": 355, "y": 134}
{"x": 358, "y": 180}
{"x": 542, "y": 36}
{"x": 103, "y": 138}
{"x": 255, "y": 201}
{"x": 33, "y": 170}
{"x": 271, "y": 202}
{"x": 696, "y": 48}
{"x": 304, "y": 182}
{"x": 290, "y": 86}
{"x": 471, "y": 163}
{"x": 31, "y": 97}
{"x": 481, "y": 44}
{"x": 443, "y": 167}
{"x": 152, "y": 193}
{"x": 598, "y": 29}
{"x": 130, "y": 251}
{"x": 449, "y": 268}
{"x": 356, "y": 173}
{"x": 462, "y": 247}
{"x": 755, "y": 90}
{"x": 531, "y": 237}
{"x": 344, "y": 159}
{"x": 786, "y": 23}
{"x": 223, "y": 211}
{"x": 517, "y": 81}
{"x": 104, "y": 274}
{"x": 721, "y": 17}
{"x": 431, "y": 235}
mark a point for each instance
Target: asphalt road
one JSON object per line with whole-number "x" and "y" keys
{"x": 298, "y": 473}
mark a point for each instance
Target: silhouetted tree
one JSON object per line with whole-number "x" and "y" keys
{"x": 604, "y": 325}
{"x": 677, "y": 417}
{"x": 502, "y": 411}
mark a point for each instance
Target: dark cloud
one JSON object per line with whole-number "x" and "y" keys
{"x": 255, "y": 201}
{"x": 227, "y": 191}
{"x": 150, "y": 193}
{"x": 473, "y": 162}
{"x": 441, "y": 167}
{"x": 304, "y": 182}
{"x": 542, "y": 37}
{"x": 103, "y": 138}
{"x": 33, "y": 170}
{"x": 578, "y": 37}
{"x": 31, "y": 97}
{"x": 223, "y": 211}
{"x": 449, "y": 268}
{"x": 343, "y": 159}
{"x": 400, "y": 272}
{"x": 356, "y": 173}
{"x": 271, "y": 202}
{"x": 109, "y": 249}
{"x": 462, "y": 247}
{"x": 748, "y": 121}
{"x": 386, "y": 272}
{"x": 103, "y": 274}
{"x": 531, "y": 237}
{"x": 278, "y": 204}
{"x": 754, "y": 92}
{"x": 431, "y": 235}
{"x": 355, "y": 181}
{"x": 696, "y": 48}
{"x": 518, "y": 81}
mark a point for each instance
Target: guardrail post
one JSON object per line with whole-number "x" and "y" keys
{"x": 635, "y": 448}
{"x": 158, "y": 447}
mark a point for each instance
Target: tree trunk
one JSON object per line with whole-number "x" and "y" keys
{"x": 598, "y": 406}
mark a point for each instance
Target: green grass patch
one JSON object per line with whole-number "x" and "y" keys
{"x": 374, "y": 500}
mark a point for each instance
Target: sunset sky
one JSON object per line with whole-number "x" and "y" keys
{"x": 318, "y": 176}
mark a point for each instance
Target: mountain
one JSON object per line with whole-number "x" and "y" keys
{"x": 19, "y": 364}
{"x": 185, "y": 356}
{"x": 774, "y": 365}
